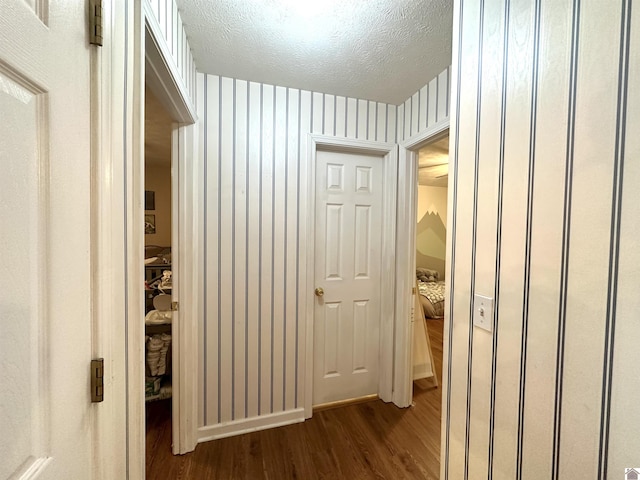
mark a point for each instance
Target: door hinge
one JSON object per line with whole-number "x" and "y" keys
{"x": 413, "y": 291}
{"x": 95, "y": 22}
{"x": 97, "y": 380}
{"x": 175, "y": 306}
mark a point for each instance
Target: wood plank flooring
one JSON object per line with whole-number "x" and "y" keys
{"x": 373, "y": 440}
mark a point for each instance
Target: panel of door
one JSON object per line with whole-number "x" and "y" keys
{"x": 348, "y": 245}
{"x": 45, "y": 277}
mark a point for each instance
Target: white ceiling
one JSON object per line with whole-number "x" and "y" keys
{"x": 382, "y": 50}
{"x": 433, "y": 163}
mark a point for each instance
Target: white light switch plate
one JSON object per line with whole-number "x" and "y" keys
{"x": 483, "y": 312}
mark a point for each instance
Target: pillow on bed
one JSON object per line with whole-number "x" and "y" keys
{"x": 427, "y": 275}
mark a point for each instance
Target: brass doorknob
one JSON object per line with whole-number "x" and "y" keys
{"x": 319, "y": 292}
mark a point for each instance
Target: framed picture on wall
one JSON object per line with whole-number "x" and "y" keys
{"x": 149, "y": 200}
{"x": 149, "y": 224}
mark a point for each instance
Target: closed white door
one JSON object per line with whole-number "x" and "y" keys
{"x": 348, "y": 243}
{"x": 45, "y": 277}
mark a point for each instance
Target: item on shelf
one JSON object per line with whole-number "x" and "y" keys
{"x": 162, "y": 361}
{"x": 162, "y": 302}
{"x": 154, "y": 347}
{"x": 158, "y": 317}
{"x": 152, "y": 386}
{"x": 157, "y": 349}
{"x": 165, "y": 281}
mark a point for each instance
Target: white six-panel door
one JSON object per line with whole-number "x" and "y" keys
{"x": 348, "y": 239}
{"x": 45, "y": 277}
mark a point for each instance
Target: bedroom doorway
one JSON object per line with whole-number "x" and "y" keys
{"x": 164, "y": 189}
{"x": 421, "y": 233}
{"x": 430, "y": 269}
{"x": 158, "y": 279}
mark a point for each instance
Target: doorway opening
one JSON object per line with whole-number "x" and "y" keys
{"x": 158, "y": 280}
{"x": 430, "y": 271}
{"x": 421, "y": 270}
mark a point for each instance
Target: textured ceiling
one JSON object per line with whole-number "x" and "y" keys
{"x": 382, "y": 50}
{"x": 433, "y": 164}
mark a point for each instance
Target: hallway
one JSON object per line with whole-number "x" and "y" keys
{"x": 368, "y": 440}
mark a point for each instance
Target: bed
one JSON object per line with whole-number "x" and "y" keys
{"x": 431, "y": 290}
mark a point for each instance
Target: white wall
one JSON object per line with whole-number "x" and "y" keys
{"x": 543, "y": 219}
{"x": 431, "y": 231}
{"x": 253, "y": 147}
{"x": 157, "y": 178}
{"x": 435, "y": 197}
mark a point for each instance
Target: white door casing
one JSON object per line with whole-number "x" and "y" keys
{"x": 184, "y": 328}
{"x": 348, "y": 239}
{"x": 405, "y": 265}
{"x": 163, "y": 78}
{"x": 388, "y": 154}
{"x": 45, "y": 277}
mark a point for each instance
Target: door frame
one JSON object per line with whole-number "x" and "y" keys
{"x": 132, "y": 38}
{"x": 389, "y": 155}
{"x": 118, "y": 422}
{"x": 164, "y": 80}
{"x": 406, "y": 258}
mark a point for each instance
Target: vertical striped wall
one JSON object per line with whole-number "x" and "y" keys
{"x": 169, "y": 21}
{"x": 544, "y": 217}
{"x": 253, "y": 147}
{"x": 426, "y": 107}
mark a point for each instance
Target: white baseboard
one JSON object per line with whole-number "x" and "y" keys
{"x": 253, "y": 424}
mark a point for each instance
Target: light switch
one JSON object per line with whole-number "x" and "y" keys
{"x": 483, "y": 312}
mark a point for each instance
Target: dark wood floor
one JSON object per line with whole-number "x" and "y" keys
{"x": 373, "y": 440}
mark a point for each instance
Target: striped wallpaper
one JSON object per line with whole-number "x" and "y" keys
{"x": 253, "y": 148}
{"x": 425, "y": 108}
{"x": 169, "y": 20}
{"x": 544, "y": 217}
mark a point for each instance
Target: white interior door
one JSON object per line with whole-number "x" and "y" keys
{"x": 45, "y": 278}
{"x": 348, "y": 239}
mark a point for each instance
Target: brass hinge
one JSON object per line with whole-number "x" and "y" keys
{"x": 95, "y": 22}
{"x": 175, "y": 306}
{"x": 97, "y": 380}
{"x": 413, "y": 291}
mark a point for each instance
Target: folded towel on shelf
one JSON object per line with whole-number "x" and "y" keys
{"x": 154, "y": 347}
{"x": 162, "y": 361}
{"x": 157, "y": 317}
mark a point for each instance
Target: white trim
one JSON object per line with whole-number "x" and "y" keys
{"x": 405, "y": 266}
{"x": 247, "y": 425}
{"x": 184, "y": 326}
{"x": 406, "y": 228}
{"x": 134, "y": 240}
{"x": 388, "y": 356}
{"x": 170, "y": 93}
{"x": 389, "y": 153}
{"x": 110, "y": 423}
{"x": 427, "y": 135}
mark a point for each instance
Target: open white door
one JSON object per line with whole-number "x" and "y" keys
{"x": 45, "y": 277}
